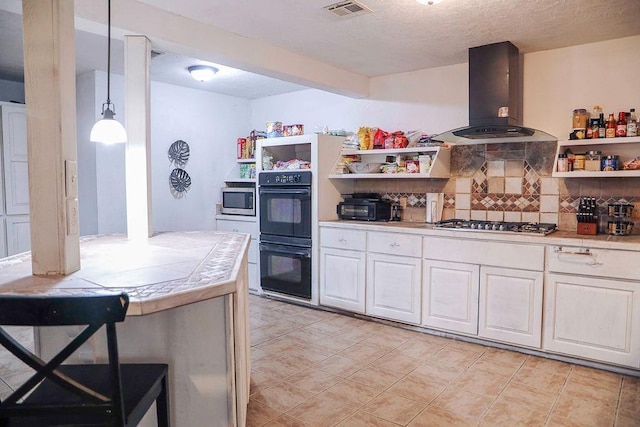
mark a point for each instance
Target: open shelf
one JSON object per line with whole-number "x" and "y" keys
{"x": 625, "y": 148}
{"x": 440, "y": 162}
{"x": 252, "y": 160}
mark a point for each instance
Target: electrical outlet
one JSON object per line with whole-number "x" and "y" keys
{"x": 403, "y": 202}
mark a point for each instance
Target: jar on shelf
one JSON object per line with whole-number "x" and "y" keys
{"x": 580, "y": 117}
{"x": 563, "y": 164}
{"x": 609, "y": 163}
{"x": 592, "y": 163}
{"x": 578, "y": 162}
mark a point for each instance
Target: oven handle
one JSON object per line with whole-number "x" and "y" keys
{"x": 285, "y": 191}
{"x": 299, "y": 253}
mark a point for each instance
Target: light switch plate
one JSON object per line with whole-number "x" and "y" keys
{"x": 73, "y": 218}
{"x": 71, "y": 178}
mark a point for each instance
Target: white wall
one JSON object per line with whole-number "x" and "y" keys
{"x": 210, "y": 124}
{"x": 86, "y": 115}
{"x": 433, "y": 101}
{"x": 560, "y": 80}
{"x": 11, "y": 91}
{"x": 555, "y": 82}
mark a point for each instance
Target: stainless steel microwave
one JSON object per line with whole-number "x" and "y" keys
{"x": 239, "y": 201}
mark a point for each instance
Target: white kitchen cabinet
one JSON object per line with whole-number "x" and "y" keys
{"x": 450, "y": 296}
{"x": 510, "y": 306}
{"x": 592, "y": 304}
{"x": 343, "y": 268}
{"x": 593, "y": 318}
{"x": 342, "y": 279}
{"x": 18, "y": 234}
{"x": 393, "y": 287}
{"x": 248, "y": 225}
{"x": 3, "y": 239}
{"x": 14, "y": 147}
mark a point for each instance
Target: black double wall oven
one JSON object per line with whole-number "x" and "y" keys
{"x": 285, "y": 232}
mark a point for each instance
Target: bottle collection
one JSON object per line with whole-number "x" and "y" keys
{"x": 594, "y": 125}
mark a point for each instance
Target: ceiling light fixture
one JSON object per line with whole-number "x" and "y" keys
{"x": 108, "y": 130}
{"x": 202, "y": 73}
{"x": 429, "y": 2}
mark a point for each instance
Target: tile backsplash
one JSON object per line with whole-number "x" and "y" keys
{"x": 507, "y": 182}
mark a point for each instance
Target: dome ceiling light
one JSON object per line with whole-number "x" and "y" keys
{"x": 202, "y": 73}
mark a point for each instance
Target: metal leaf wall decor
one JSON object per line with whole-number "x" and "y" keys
{"x": 179, "y": 153}
{"x": 180, "y": 180}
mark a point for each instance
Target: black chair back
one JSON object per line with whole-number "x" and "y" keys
{"x": 80, "y": 399}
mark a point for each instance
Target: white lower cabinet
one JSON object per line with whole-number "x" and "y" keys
{"x": 3, "y": 240}
{"x": 510, "y": 306}
{"x": 450, "y": 296}
{"x": 593, "y": 318}
{"x": 248, "y": 226}
{"x": 342, "y": 279}
{"x": 393, "y": 287}
{"x": 18, "y": 234}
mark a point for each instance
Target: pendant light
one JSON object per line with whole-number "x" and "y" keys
{"x": 108, "y": 130}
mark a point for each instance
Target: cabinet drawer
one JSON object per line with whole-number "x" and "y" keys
{"x": 342, "y": 238}
{"x": 238, "y": 227}
{"x": 498, "y": 254}
{"x": 395, "y": 244}
{"x": 593, "y": 262}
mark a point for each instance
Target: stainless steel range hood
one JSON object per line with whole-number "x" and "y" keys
{"x": 495, "y": 101}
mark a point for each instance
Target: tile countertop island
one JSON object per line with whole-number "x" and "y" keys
{"x": 188, "y": 308}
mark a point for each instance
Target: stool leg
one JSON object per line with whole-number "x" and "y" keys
{"x": 162, "y": 406}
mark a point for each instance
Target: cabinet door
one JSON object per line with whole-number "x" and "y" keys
{"x": 18, "y": 234}
{"x": 450, "y": 298}
{"x": 3, "y": 239}
{"x": 342, "y": 279}
{"x": 393, "y": 287}
{"x": 510, "y": 307}
{"x": 593, "y": 318}
{"x": 254, "y": 282}
{"x": 14, "y": 143}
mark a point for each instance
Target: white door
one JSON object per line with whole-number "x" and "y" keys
{"x": 510, "y": 307}
{"x": 393, "y": 287}
{"x": 3, "y": 239}
{"x": 342, "y": 279}
{"x": 18, "y": 234}
{"x": 14, "y": 143}
{"x": 450, "y": 296}
{"x": 593, "y": 318}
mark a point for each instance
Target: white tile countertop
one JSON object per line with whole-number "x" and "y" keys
{"x": 166, "y": 271}
{"x": 557, "y": 238}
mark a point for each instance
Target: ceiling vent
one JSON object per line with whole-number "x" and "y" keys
{"x": 347, "y": 9}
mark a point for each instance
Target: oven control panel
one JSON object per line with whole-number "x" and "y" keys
{"x": 285, "y": 178}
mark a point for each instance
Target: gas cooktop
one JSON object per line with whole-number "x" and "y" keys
{"x": 504, "y": 226}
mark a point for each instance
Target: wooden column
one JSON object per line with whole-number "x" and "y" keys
{"x": 138, "y": 156}
{"x": 50, "y": 93}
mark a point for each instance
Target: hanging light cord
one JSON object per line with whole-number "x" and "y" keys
{"x": 109, "y": 53}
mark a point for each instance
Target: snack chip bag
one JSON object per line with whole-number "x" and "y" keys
{"x": 363, "y": 136}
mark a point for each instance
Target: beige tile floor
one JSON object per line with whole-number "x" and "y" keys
{"x": 315, "y": 368}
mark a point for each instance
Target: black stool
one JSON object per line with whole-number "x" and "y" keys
{"x": 110, "y": 394}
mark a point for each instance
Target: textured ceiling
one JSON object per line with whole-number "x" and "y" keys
{"x": 403, "y": 35}
{"x": 399, "y": 36}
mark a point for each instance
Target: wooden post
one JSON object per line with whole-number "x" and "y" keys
{"x": 138, "y": 155}
{"x": 50, "y": 93}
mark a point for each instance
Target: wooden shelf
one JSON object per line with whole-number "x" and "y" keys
{"x": 246, "y": 160}
{"x": 625, "y": 148}
{"x": 440, "y": 163}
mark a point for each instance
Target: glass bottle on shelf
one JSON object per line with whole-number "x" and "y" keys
{"x": 621, "y": 125}
{"x": 632, "y": 123}
{"x": 610, "y": 131}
